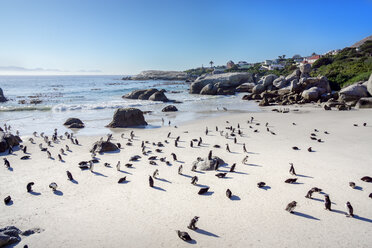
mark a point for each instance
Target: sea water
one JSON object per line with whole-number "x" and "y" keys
{"x": 94, "y": 99}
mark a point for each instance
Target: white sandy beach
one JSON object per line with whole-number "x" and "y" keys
{"x": 98, "y": 212}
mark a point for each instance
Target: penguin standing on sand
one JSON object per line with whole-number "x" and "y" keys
{"x": 228, "y": 193}
{"x": 210, "y": 155}
{"x": 232, "y": 169}
{"x": 244, "y": 148}
{"x": 29, "y": 187}
{"x": 349, "y": 209}
{"x": 292, "y": 170}
{"x": 227, "y": 148}
{"x": 192, "y": 224}
{"x": 194, "y": 180}
{"x": 151, "y": 182}
{"x": 6, "y": 163}
{"x": 291, "y": 206}
{"x": 180, "y": 170}
{"x": 155, "y": 174}
{"x": 118, "y": 166}
{"x": 327, "y": 203}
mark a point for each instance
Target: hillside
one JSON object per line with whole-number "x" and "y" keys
{"x": 361, "y": 42}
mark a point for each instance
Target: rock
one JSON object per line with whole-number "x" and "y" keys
{"x": 369, "y": 85}
{"x": 32, "y": 231}
{"x": 8, "y": 139}
{"x": 159, "y": 75}
{"x": 264, "y": 102}
{"x": 365, "y": 102}
{"x": 294, "y": 75}
{"x": 76, "y": 125}
{"x": 232, "y": 79}
{"x": 209, "y": 89}
{"x": 9, "y": 235}
{"x": 305, "y": 69}
{"x": 158, "y": 96}
{"x": 206, "y": 164}
{"x": 320, "y": 82}
{"x": 280, "y": 82}
{"x": 2, "y": 97}
{"x": 222, "y": 91}
{"x": 311, "y": 94}
{"x": 268, "y": 80}
{"x": 134, "y": 94}
{"x": 127, "y": 117}
{"x": 246, "y": 87}
{"x": 258, "y": 89}
{"x": 146, "y": 94}
{"x": 169, "y": 108}
{"x": 294, "y": 86}
{"x": 104, "y": 146}
{"x": 70, "y": 121}
{"x": 353, "y": 92}
{"x": 36, "y": 101}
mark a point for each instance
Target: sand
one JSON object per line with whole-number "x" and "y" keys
{"x": 96, "y": 211}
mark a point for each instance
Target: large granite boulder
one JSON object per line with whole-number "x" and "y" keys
{"x": 280, "y": 82}
{"x": 269, "y": 79}
{"x": 127, "y": 117}
{"x": 158, "y": 96}
{"x": 74, "y": 123}
{"x": 169, "y": 108}
{"x": 311, "y": 94}
{"x": 365, "y": 102}
{"x": 2, "y": 97}
{"x": 7, "y": 140}
{"x": 354, "y": 92}
{"x": 209, "y": 89}
{"x": 294, "y": 75}
{"x": 205, "y": 164}
{"x": 320, "y": 82}
{"x": 231, "y": 79}
{"x": 258, "y": 89}
{"x": 159, "y": 75}
{"x": 134, "y": 94}
{"x": 246, "y": 87}
{"x": 104, "y": 146}
{"x": 147, "y": 93}
{"x": 305, "y": 68}
{"x": 369, "y": 85}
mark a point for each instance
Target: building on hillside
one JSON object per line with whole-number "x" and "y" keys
{"x": 230, "y": 64}
{"x": 297, "y": 58}
{"x": 333, "y": 52}
{"x": 311, "y": 59}
{"x": 275, "y": 67}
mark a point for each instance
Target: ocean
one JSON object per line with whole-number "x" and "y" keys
{"x": 94, "y": 99}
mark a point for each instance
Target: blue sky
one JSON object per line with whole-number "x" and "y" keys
{"x": 125, "y": 37}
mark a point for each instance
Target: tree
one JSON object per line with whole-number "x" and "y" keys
{"x": 211, "y": 63}
{"x": 283, "y": 56}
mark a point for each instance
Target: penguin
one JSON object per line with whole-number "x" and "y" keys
{"x": 221, "y": 175}
{"x": 228, "y": 193}
{"x": 227, "y": 148}
{"x": 7, "y": 200}
{"x": 244, "y": 148}
{"x": 261, "y": 184}
{"x": 91, "y": 166}
{"x": 199, "y": 142}
{"x": 245, "y": 159}
{"x": 191, "y": 144}
{"x": 217, "y": 165}
{"x": 216, "y": 129}
{"x": 291, "y": 206}
{"x": 151, "y": 182}
{"x": 235, "y": 140}
{"x": 128, "y": 165}
{"x": 121, "y": 180}
{"x": 349, "y": 209}
{"x": 174, "y": 156}
{"x": 25, "y": 149}
{"x": 155, "y": 174}
{"x": 53, "y": 186}
{"x": 367, "y": 179}
{"x": 69, "y": 175}
{"x": 60, "y": 157}
{"x": 29, "y": 187}
{"x": 175, "y": 143}
{"x": 62, "y": 151}
{"x": 232, "y": 169}
{"x": 183, "y": 235}
{"x": 327, "y": 203}
{"x": 168, "y": 136}
{"x": 326, "y": 132}
{"x": 76, "y": 142}
{"x": 194, "y": 180}
{"x": 25, "y": 157}
{"x": 291, "y": 180}
{"x": 292, "y": 170}
{"x": 210, "y": 155}
{"x": 193, "y": 168}
{"x": 364, "y": 124}
{"x": 49, "y": 154}
{"x": 67, "y": 148}
{"x": 118, "y": 166}
{"x": 180, "y": 170}
{"x": 203, "y": 190}
{"x": 192, "y": 224}
{"x": 352, "y": 184}
{"x": 118, "y": 145}
{"x": 309, "y": 149}
{"x": 6, "y": 163}
{"x": 370, "y": 195}
{"x": 295, "y": 148}
{"x": 206, "y": 131}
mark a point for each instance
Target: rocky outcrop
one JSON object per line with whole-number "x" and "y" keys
{"x": 311, "y": 94}
{"x": 127, "y": 117}
{"x": 369, "y": 85}
{"x": 159, "y": 75}
{"x": 74, "y": 123}
{"x": 2, "y": 97}
{"x": 246, "y": 87}
{"x": 224, "y": 81}
{"x": 209, "y": 89}
{"x": 305, "y": 69}
{"x": 8, "y": 140}
{"x": 205, "y": 164}
{"x": 104, "y": 146}
{"x": 150, "y": 94}
{"x": 169, "y": 108}
{"x": 9, "y": 236}
{"x": 365, "y": 102}
{"x": 354, "y": 92}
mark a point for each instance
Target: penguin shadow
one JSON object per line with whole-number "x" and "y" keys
{"x": 125, "y": 172}
{"x": 192, "y": 242}
{"x": 35, "y": 193}
{"x": 339, "y": 211}
{"x": 209, "y": 193}
{"x": 235, "y": 152}
{"x": 362, "y": 218}
{"x": 182, "y": 162}
{"x": 10, "y": 168}
{"x": 74, "y": 181}
{"x": 236, "y": 172}
{"x": 10, "y": 203}
{"x": 58, "y": 192}
{"x": 265, "y": 187}
{"x": 163, "y": 180}
{"x": 235, "y": 198}
{"x": 158, "y": 188}
{"x": 98, "y": 174}
{"x": 358, "y": 188}
{"x": 299, "y": 175}
{"x": 200, "y": 172}
{"x": 257, "y": 165}
{"x": 184, "y": 175}
{"x": 62, "y": 161}
{"x": 304, "y": 215}
{"x": 125, "y": 182}
{"x": 204, "y": 232}
{"x": 52, "y": 158}
{"x": 112, "y": 152}
{"x": 201, "y": 185}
